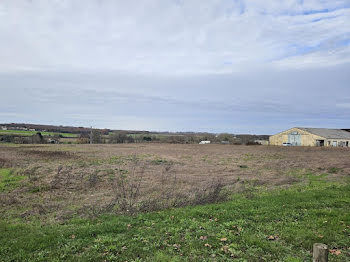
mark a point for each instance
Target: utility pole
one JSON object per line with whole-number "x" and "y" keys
{"x": 90, "y": 135}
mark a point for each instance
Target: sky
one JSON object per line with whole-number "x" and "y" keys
{"x": 237, "y": 66}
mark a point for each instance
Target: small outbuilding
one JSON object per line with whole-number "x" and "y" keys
{"x": 301, "y": 136}
{"x": 261, "y": 142}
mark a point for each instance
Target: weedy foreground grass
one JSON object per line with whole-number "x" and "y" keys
{"x": 277, "y": 225}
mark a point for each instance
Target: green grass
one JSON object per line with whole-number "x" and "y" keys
{"x": 30, "y": 133}
{"x": 9, "y": 180}
{"x": 237, "y": 230}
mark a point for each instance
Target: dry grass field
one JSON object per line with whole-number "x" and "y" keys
{"x": 56, "y": 182}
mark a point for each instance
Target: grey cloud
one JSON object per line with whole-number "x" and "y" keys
{"x": 202, "y": 103}
{"x": 236, "y": 66}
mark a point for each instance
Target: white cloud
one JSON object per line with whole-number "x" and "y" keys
{"x": 170, "y": 37}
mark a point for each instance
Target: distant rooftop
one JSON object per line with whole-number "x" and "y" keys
{"x": 328, "y": 133}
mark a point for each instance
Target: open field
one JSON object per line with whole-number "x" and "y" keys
{"x": 30, "y": 133}
{"x": 90, "y": 200}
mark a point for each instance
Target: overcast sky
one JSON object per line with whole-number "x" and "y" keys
{"x": 238, "y": 66}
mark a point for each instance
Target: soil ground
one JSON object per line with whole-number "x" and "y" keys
{"x": 56, "y": 182}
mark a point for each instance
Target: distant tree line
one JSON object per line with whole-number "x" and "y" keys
{"x": 124, "y": 137}
{"x": 100, "y": 136}
{"x": 34, "y": 139}
{"x": 57, "y": 129}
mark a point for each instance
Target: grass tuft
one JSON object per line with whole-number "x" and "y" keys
{"x": 9, "y": 180}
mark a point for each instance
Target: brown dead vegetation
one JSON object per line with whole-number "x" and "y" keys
{"x": 43, "y": 154}
{"x": 66, "y": 180}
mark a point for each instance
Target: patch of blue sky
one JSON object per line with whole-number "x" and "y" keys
{"x": 317, "y": 11}
{"x": 298, "y": 49}
{"x": 238, "y": 6}
{"x": 321, "y": 11}
{"x": 342, "y": 43}
{"x": 324, "y": 18}
{"x": 242, "y": 7}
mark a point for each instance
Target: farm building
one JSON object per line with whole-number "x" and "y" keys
{"x": 300, "y": 136}
{"x": 261, "y": 142}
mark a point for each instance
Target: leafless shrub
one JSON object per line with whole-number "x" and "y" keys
{"x": 36, "y": 210}
{"x": 174, "y": 196}
{"x": 39, "y": 209}
{"x": 91, "y": 211}
{"x": 6, "y": 200}
{"x": 212, "y": 193}
{"x": 167, "y": 194}
{"x": 126, "y": 188}
{"x": 32, "y": 174}
{"x": 93, "y": 179}
{"x": 4, "y": 162}
{"x": 61, "y": 178}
